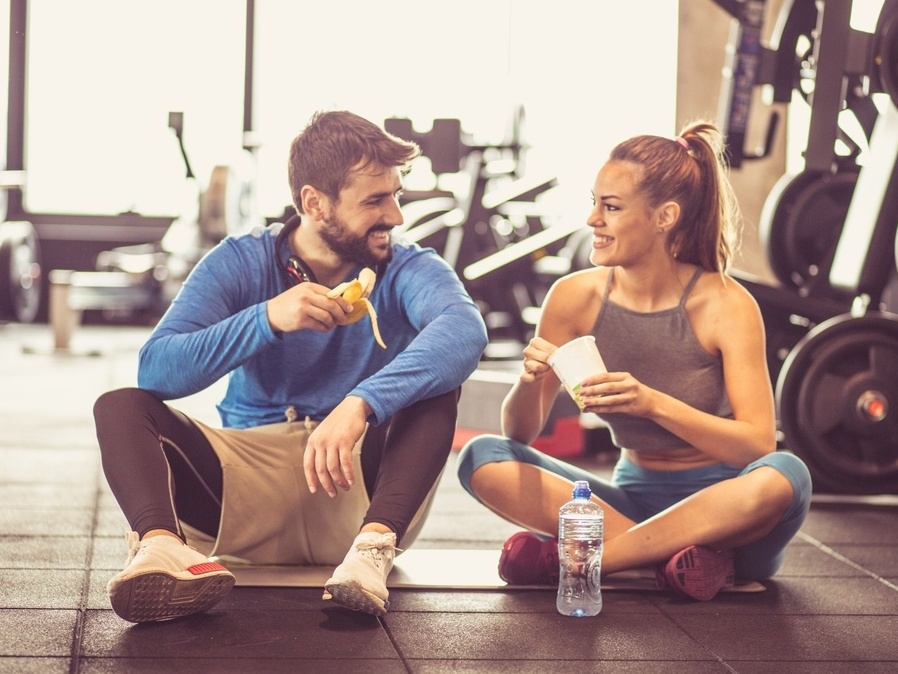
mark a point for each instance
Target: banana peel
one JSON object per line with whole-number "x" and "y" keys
{"x": 356, "y": 293}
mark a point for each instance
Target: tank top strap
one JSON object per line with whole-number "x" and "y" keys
{"x": 608, "y": 285}
{"x": 691, "y": 285}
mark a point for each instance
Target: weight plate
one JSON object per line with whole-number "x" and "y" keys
{"x": 801, "y": 224}
{"x": 20, "y": 287}
{"x": 885, "y": 51}
{"x": 837, "y": 403}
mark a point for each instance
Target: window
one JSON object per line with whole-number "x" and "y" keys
{"x": 104, "y": 74}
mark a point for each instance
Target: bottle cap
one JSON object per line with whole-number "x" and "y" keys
{"x": 581, "y": 489}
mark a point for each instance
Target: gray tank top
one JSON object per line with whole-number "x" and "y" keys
{"x": 660, "y": 349}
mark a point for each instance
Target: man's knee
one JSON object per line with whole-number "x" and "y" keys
{"x": 113, "y": 407}
{"x": 429, "y": 410}
{"x": 477, "y": 452}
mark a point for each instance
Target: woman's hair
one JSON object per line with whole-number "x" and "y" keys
{"x": 335, "y": 144}
{"x": 692, "y": 171}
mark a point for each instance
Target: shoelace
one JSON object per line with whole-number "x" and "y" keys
{"x": 375, "y": 551}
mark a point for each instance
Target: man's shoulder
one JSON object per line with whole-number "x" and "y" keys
{"x": 259, "y": 233}
{"x": 403, "y": 248}
{"x": 259, "y": 238}
{"x": 405, "y": 252}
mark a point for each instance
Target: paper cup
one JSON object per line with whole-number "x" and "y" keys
{"x": 575, "y": 361}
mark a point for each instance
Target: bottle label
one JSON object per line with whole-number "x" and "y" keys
{"x": 594, "y": 575}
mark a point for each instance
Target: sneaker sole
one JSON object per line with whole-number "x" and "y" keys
{"x": 352, "y": 595}
{"x": 700, "y": 574}
{"x": 158, "y": 595}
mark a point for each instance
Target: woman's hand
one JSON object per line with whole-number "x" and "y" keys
{"x": 536, "y": 356}
{"x": 616, "y": 392}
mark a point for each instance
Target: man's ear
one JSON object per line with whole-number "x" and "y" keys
{"x": 314, "y": 202}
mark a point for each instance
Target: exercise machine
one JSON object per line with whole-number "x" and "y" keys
{"x": 138, "y": 282}
{"x": 211, "y": 211}
{"x": 20, "y": 254}
{"x": 830, "y": 236}
{"x": 491, "y": 226}
{"x": 20, "y": 271}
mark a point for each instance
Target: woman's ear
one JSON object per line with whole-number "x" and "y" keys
{"x": 668, "y": 216}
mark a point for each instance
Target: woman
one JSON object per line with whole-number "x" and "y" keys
{"x": 699, "y": 492}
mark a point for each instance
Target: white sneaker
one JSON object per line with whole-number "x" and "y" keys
{"x": 360, "y": 582}
{"x": 164, "y": 578}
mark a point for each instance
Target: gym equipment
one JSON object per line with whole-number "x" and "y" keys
{"x": 838, "y": 402}
{"x": 73, "y": 292}
{"x": 802, "y": 220}
{"x": 20, "y": 272}
{"x": 787, "y": 316}
{"x": 863, "y": 255}
{"x": 823, "y": 59}
{"x": 740, "y": 74}
{"x": 211, "y": 212}
{"x": 830, "y": 235}
{"x": 139, "y": 282}
{"x": 492, "y": 230}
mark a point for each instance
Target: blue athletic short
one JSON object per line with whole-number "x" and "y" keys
{"x": 639, "y": 493}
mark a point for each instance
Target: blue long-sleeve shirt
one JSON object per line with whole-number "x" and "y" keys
{"x": 218, "y": 325}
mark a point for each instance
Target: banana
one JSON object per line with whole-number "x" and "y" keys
{"x": 356, "y": 293}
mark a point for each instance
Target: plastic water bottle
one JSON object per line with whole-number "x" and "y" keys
{"x": 580, "y": 524}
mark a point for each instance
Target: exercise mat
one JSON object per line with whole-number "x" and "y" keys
{"x": 439, "y": 570}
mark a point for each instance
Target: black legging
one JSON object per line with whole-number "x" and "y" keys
{"x": 161, "y": 468}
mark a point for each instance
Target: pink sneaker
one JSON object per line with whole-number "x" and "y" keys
{"x": 698, "y": 572}
{"x": 528, "y": 560}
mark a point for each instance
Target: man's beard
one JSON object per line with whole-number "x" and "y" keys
{"x": 351, "y": 247}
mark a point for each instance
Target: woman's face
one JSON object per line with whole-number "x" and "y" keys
{"x": 621, "y": 218}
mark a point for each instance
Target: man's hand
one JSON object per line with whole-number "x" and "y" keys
{"x": 327, "y": 462}
{"x": 306, "y": 306}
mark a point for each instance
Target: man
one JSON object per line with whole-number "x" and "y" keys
{"x": 334, "y": 432}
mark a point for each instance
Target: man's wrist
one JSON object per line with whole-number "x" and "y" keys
{"x": 357, "y": 402}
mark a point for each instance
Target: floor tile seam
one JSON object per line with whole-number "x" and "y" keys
{"x": 78, "y": 631}
{"x": 58, "y": 505}
{"x": 828, "y": 661}
{"x": 671, "y": 617}
{"x": 10, "y": 537}
{"x": 384, "y": 624}
{"x": 679, "y": 661}
{"x": 845, "y": 560}
{"x": 197, "y": 659}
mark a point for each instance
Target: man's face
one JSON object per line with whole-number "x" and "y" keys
{"x": 357, "y": 227}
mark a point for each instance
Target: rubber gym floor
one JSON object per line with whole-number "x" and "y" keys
{"x": 832, "y": 608}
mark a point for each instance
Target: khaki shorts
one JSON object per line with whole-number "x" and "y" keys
{"x": 268, "y": 514}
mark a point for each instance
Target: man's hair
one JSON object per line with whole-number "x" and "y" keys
{"x": 337, "y": 143}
